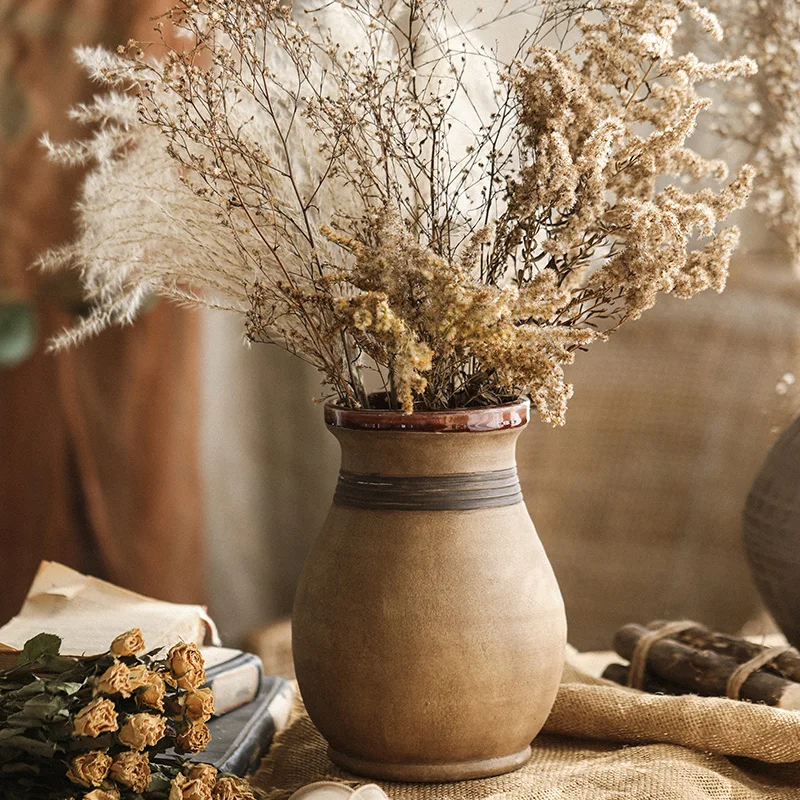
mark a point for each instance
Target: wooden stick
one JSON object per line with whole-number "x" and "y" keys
{"x": 653, "y": 684}
{"x": 702, "y": 638}
{"x": 705, "y": 671}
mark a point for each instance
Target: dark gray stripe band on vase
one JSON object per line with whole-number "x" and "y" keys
{"x": 429, "y": 492}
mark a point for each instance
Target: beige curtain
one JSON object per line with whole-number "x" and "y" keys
{"x": 269, "y": 467}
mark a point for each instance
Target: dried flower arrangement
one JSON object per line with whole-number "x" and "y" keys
{"x": 379, "y": 192}
{"x": 100, "y": 725}
{"x": 763, "y": 114}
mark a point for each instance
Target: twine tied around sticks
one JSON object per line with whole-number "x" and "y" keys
{"x": 744, "y": 671}
{"x": 737, "y": 679}
{"x": 638, "y": 667}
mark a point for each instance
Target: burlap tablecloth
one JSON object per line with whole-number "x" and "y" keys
{"x": 601, "y": 741}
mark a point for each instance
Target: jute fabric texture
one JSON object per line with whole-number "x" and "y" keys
{"x": 601, "y": 741}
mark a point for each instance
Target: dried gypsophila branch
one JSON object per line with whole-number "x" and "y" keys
{"x": 406, "y": 199}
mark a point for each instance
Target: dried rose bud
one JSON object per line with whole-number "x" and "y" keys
{"x": 183, "y": 788}
{"x": 193, "y": 737}
{"x": 175, "y": 786}
{"x": 232, "y": 789}
{"x": 102, "y": 794}
{"x": 128, "y": 643}
{"x": 186, "y": 665}
{"x": 203, "y": 772}
{"x": 139, "y": 676}
{"x": 154, "y": 691}
{"x": 132, "y": 770}
{"x": 98, "y": 717}
{"x": 89, "y": 769}
{"x": 142, "y": 730}
{"x": 198, "y": 705}
{"x": 115, "y": 680}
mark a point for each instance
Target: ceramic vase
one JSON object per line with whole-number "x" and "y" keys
{"x": 772, "y": 532}
{"x": 428, "y": 628}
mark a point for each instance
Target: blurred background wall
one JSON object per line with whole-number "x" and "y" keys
{"x": 170, "y": 458}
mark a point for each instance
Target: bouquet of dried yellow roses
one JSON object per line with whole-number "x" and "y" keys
{"x": 100, "y": 727}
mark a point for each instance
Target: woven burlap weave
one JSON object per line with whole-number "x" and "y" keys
{"x": 601, "y": 741}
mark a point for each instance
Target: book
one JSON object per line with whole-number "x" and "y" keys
{"x": 234, "y": 677}
{"x": 88, "y": 614}
{"x": 240, "y": 737}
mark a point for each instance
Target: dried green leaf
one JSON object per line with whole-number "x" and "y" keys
{"x": 35, "y": 687}
{"x": 44, "y": 706}
{"x": 52, "y": 662}
{"x": 159, "y": 783}
{"x": 17, "y": 767}
{"x": 33, "y": 746}
{"x": 41, "y": 645}
{"x": 68, "y": 688}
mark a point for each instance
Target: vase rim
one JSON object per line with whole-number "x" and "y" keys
{"x": 450, "y": 420}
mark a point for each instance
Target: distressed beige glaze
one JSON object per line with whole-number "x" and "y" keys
{"x": 428, "y": 644}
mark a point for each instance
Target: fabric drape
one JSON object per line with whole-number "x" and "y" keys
{"x": 98, "y": 445}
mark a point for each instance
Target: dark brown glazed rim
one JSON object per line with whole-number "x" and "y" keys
{"x": 451, "y": 420}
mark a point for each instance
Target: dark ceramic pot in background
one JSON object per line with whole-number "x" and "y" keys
{"x": 772, "y": 532}
{"x": 428, "y": 628}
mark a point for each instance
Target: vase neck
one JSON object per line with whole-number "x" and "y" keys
{"x": 415, "y": 454}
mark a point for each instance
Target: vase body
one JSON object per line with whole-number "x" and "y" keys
{"x": 428, "y": 627}
{"x": 772, "y": 532}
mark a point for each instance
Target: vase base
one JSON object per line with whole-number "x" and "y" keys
{"x": 427, "y": 773}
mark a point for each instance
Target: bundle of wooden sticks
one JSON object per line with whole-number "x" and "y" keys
{"x": 688, "y": 658}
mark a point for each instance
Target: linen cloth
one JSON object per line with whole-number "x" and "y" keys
{"x": 601, "y": 741}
